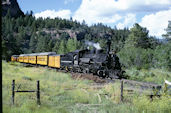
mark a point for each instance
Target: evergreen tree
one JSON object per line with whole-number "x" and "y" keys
{"x": 62, "y": 47}
{"x": 162, "y": 56}
{"x": 42, "y": 45}
{"x": 60, "y": 25}
{"x": 138, "y": 37}
{"x": 56, "y": 47}
{"x": 64, "y": 36}
{"x": 32, "y": 44}
{"x": 168, "y": 30}
{"x": 71, "y": 44}
{"x": 50, "y": 45}
{"x": 9, "y": 47}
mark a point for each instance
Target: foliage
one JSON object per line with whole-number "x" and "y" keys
{"x": 138, "y": 37}
{"x": 136, "y": 57}
{"x": 141, "y": 51}
{"x": 62, "y": 47}
{"x": 32, "y": 44}
{"x": 168, "y": 30}
{"x": 71, "y": 44}
{"x": 162, "y": 56}
{"x": 149, "y": 75}
{"x": 28, "y": 35}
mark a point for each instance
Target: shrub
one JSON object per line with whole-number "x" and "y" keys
{"x": 136, "y": 57}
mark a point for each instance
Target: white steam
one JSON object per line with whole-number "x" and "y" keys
{"x": 96, "y": 45}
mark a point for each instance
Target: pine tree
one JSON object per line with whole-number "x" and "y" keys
{"x": 50, "y": 45}
{"x": 9, "y": 47}
{"x": 32, "y": 44}
{"x": 168, "y": 30}
{"x": 62, "y": 47}
{"x": 71, "y": 44}
{"x": 56, "y": 47}
{"x": 138, "y": 37}
{"x": 42, "y": 45}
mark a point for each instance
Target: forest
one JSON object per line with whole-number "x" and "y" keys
{"x": 134, "y": 46}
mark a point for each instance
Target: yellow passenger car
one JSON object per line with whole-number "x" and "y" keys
{"x": 32, "y": 59}
{"x": 42, "y": 58}
{"x": 21, "y": 58}
{"x": 26, "y": 58}
{"x": 14, "y": 58}
{"x": 54, "y": 61}
{"x": 51, "y": 62}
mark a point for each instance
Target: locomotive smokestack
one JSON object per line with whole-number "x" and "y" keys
{"x": 108, "y": 46}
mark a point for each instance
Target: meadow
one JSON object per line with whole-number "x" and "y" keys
{"x": 59, "y": 93}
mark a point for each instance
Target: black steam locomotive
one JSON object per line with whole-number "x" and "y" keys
{"x": 97, "y": 61}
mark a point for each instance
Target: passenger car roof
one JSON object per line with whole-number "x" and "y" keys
{"x": 39, "y": 54}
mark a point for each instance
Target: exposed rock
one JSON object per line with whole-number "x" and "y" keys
{"x": 13, "y": 7}
{"x": 55, "y": 33}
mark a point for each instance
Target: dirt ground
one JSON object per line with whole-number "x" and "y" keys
{"x": 88, "y": 76}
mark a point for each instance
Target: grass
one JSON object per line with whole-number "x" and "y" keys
{"x": 159, "y": 105}
{"x": 61, "y": 94}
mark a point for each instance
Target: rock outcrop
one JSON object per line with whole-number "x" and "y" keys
{"x": 13, "y": 7}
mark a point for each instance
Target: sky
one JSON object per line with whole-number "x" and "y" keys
{"x": 152, "y": 14}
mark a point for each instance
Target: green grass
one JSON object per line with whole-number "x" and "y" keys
{"x": 61, "y": 94}
{"x": 159, "y": 105}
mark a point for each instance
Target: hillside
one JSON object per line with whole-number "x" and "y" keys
{"x": 28, "y": 35}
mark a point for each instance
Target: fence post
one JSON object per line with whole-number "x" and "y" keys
{"x": 165, "y": 88}
{"x": 121, "y": 90}
{"x": 13, "y": 91}
{"x": 38, "y": 93}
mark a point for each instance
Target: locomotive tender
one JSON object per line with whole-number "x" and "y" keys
{"x": 97, "y": 61}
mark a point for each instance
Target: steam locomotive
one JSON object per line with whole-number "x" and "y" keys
{"x": 105, "y": 64}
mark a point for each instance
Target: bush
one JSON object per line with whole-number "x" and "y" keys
{"x": 162, "y": 56}
{"x": 136, "y": 57}
{"x": 150, "y": 75}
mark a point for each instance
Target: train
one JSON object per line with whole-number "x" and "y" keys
{"x": 99, "y": 62}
